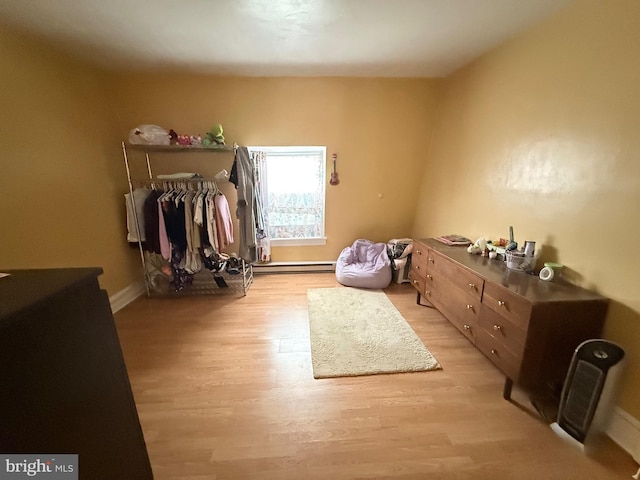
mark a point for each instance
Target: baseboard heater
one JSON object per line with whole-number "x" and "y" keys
{"x": 294, "y": 267}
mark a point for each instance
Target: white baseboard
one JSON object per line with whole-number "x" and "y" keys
{"x": 625, "y": 431}
{"x": 124, "y": 297}
{"x": 294, "y": 267}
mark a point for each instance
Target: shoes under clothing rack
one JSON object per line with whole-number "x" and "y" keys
{"x": 204, "y": 282}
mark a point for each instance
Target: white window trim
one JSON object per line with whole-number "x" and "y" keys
{"x": 294, "y": 150}
{"x": 298, "y": 242}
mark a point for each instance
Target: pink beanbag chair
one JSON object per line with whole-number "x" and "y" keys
{"x": 365, "y": 265}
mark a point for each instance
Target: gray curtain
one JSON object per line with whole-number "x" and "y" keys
{"x": 242, "y": 176}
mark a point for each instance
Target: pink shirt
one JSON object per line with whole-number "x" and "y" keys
{"x": 224, "y": 223}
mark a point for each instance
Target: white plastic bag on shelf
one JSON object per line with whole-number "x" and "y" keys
{"x": 148, "y": 135}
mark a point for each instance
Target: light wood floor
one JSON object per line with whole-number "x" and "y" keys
{"x": 224, "y": 390}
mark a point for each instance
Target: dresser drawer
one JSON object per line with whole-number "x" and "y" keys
{"x": 417, "y": 281}
{"x": 460, "y": 304}
{"x": 463, "y": 320}
{"x": 420, "y": 283}
{"x": 456, "y": 304}
{"x": 429, "y": 294}
{"x": 419, "y": 269}
{"x": 419, "y": 260}
{"x": 507, "y": 304}
{"x": 419, "y": 254}
{"x": 501, "y": 357}
{"x": 467, "y": 329}
{"x": 464, "y": 279}
{"x": 502, "y": 330}
{"x": 434, "y": 259}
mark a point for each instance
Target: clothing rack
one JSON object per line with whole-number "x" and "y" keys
{"x": 204, "y": 281}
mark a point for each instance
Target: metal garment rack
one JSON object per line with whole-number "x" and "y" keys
{"x": 204, "y": 282}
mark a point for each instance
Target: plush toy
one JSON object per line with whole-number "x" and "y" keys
{"x": 478, "y": 247}
{"x": 214, "y": 136}
{"x": 184, "y": 140}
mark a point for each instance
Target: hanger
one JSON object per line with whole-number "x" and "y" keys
{"x": 222, "y": 175}
{"x": 201, "y": 192}
{"x": 179, "y": 192}
{"x": 168, "y": 188}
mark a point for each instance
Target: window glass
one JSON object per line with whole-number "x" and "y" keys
{"x": 292, "y": 183}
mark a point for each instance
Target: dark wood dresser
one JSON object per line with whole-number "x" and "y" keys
{"x": 64, "y": 387}
{"x": 527, "y": 327}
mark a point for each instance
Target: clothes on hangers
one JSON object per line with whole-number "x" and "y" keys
{"x": 243, "y": 177}
{"x": 211, "y": 225}
{"x": 151, "y": 222}
{"x": 192, "y": 260}
{"x": 139, "y": 197}
{"x": 186, "y": 224}
{"x": 263, "y": 241}
{"x": 165, "y": 245}
{"x": 224, "y": 223}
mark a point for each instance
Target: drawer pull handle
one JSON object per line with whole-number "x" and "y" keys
{"x": 469, "y": 306}
{"x": 431, "y": 260}
{"x": 429, "y": 277}
{"x": 415, "y": 282}
{"x": 417, "y": 267}
{"x": 472, "y": 285}
{"x": 497, "y": 328}
{"x": 419, "y": 252}
{"x": 467, "y": 327}
{"x": 501, "y": 303}
{"x": 494, "y": 351}
{"x": 427, "y": 292}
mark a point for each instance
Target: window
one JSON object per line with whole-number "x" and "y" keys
{"x": 293, "y": 193}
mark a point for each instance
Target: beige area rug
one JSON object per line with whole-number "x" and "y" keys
{"x": 360, "y": 332}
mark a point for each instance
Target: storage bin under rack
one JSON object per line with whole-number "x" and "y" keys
{"x": 204, "y": 281}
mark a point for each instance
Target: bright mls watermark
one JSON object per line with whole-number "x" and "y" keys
{"x": 49, "y": 466}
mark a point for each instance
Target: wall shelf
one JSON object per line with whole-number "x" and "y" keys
{"x": 181, "y": 148}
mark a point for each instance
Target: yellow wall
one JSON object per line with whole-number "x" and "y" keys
{"x": 61, "y": 178}
{"x": 543, "y": 134}
{"x": 378, "y": 127}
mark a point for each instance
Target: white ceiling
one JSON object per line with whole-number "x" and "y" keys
{"x": 386, "y": 38}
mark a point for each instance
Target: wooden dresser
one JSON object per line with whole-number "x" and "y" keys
{"x": 528, "y": 328}
{"x": 64, "y": 383}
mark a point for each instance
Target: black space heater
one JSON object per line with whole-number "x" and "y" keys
{"x": 586, "y": 402}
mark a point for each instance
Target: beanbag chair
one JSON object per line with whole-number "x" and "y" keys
{"x": 365, "y": 265}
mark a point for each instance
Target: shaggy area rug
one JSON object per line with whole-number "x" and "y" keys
{"x": 360, "y": 332}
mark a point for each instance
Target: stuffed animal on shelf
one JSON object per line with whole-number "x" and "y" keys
{"x": 184, "y": 140}
{"x": 214, "y": 136}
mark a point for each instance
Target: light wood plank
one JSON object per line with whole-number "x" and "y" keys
{"x": 225, "y": 390}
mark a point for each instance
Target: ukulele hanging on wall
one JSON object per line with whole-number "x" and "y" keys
{"x": 334, "y": 175}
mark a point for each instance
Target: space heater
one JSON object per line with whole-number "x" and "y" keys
{"x": 586, "y": 402}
